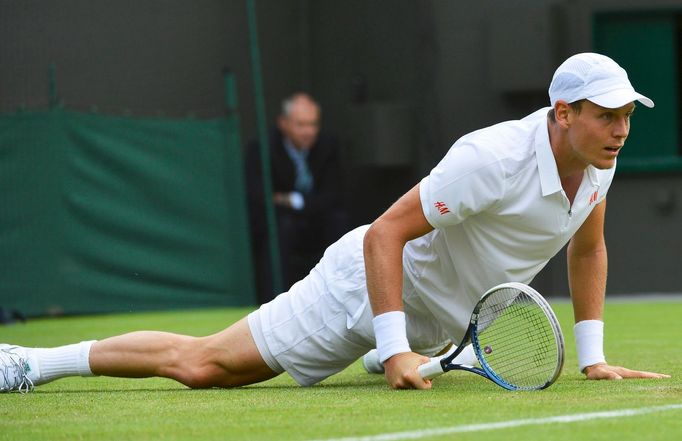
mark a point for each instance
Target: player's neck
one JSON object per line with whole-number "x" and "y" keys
{"x": 568, "y": 164}
{"x": 571, "y": 184}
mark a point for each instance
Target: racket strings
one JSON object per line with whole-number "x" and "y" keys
{"x": 518, "y": 355}
{"x": 516, "y": 340}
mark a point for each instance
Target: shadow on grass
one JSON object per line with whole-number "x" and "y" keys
{"x": 371, "y": 383}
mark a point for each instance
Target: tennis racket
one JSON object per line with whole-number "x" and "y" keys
{"x": 516, "y": 338}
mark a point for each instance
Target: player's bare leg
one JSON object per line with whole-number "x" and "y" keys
{"x": 226, "y": 359}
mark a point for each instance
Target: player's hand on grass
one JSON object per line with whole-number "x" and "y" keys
{"x": 401, "y": 371}
{"x": 603, "y": 371}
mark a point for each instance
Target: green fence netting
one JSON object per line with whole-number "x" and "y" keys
{"x": 102, "y": 213}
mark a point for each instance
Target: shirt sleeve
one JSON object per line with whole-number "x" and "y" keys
{"x": 468, "y": 180}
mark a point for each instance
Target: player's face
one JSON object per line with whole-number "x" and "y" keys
{"x": 302, "y": 125}
{"x": 597, "y": 134}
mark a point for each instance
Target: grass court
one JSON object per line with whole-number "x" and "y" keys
{"x": 644, "y": 335}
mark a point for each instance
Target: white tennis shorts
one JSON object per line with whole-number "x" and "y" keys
{"x": 324, "y": 322}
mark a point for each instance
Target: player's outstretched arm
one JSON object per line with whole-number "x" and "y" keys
{"x": 587, "y": 267}
{"x": 603, "y": 371}
{"x": 383, "y": 251}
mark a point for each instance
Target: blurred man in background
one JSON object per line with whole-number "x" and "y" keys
{"x": 306, "y": 189}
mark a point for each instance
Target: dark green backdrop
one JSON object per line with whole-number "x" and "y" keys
{"x": 646, "y": 45}
{"x": 101, "y": 213}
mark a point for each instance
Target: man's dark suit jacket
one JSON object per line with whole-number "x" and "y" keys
{"x": 322, "y": 205}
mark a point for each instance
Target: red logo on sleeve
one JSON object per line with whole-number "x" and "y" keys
{"x": 442, "y": 208}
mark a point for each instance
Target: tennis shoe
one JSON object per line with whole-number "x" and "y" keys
{"x": 15, "y": 369}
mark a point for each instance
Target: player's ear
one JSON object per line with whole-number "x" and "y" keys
{"x": 562, "y": 113}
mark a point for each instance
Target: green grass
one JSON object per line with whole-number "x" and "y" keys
{"x": 639, "y": 335}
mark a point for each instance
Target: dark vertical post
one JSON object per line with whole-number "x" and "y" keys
{"x": 234, "y": 138}
{"x": 264, "y": 147}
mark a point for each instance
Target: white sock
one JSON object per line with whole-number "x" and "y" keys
{"x": 467, "y": 356}
{"x": 63, "y": 361}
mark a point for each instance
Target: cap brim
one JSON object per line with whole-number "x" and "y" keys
{"x": 619, "y": 98}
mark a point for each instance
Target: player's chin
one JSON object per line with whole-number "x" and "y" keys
{"x": 604, "y": 163}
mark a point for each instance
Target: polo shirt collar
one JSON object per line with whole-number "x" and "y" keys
{"x": 549, "y": 174}
{"x": 593, "y": 176}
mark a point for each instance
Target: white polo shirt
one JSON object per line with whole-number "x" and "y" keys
{"x": 499, "y": 213}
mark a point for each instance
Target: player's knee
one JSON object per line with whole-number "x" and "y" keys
{"x": 203, "y": 372}
{"x": 189, "y": 362}
{"x": 202, "y": 378}
{"x": 211, "y": 375}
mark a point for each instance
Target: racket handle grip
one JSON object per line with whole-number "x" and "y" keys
{"x": 430, "y": 370}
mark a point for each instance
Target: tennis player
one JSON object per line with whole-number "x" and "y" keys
{"x": 499, "y": 205}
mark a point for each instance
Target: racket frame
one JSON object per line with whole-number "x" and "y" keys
{"x": 445, "y": 364}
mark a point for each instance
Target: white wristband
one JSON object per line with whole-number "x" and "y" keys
{"x": 589, "y": 342}
{"x": 390, "y": 334}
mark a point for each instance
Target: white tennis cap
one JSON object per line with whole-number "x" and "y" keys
{"x": 596, "y": 78}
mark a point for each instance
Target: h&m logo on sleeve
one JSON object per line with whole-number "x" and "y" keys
{"x": 593, "y": 197}
{"x": 442, "y": 208}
